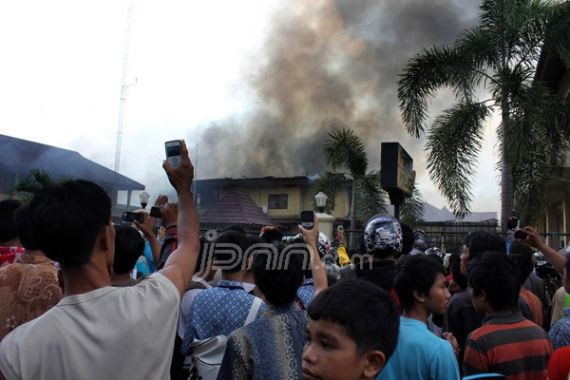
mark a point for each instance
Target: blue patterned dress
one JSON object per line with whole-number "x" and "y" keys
{"x": 270, "y": 348}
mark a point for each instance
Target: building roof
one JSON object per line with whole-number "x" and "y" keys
{"x": 255, "y": 182}
{"x": 434, "y": 214}
{"x": 19, "y": 156}
{"x": 236, "y": 207}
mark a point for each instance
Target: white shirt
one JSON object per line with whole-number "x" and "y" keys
{"x": 108, "y": 333}
{"x": 186, "y": 303}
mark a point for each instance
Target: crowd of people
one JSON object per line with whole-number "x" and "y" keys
{"x": 85, "y": 299}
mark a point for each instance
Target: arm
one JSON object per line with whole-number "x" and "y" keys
{"x": 535, "y": 240}
{"x": 320, "y": 281}
{"x": 181, "y": 263}
{"x": 146, "y": 229}
{"x": 343, "y": 258}
{"x": 169, "y": 219}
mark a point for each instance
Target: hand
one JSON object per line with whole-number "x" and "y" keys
{"x": 311, "y": 236}
{"x": 180, "y": 177}
{"x": 340, "y": 237}
{"x": 147, "y": 226}
{"x": 161, "y": 200}
{"x": 169, "y": 214}
{"x": 533, "y": 237}
{"x": 453, "y": 341}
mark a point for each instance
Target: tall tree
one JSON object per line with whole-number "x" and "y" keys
{"x": 499, "y": 54}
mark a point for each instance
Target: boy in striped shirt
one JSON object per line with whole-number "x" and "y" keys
{"x": 506, "y": 343}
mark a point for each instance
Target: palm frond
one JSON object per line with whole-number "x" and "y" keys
{"x": 425, "y": 74}
{"x": 370, "y": 198}
{"x": 346, "y": 150}
{"x": 412, "y": 210}
{"x": 453, "y": 144}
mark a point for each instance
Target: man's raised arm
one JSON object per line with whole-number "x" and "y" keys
{"x": 181, "y": 263}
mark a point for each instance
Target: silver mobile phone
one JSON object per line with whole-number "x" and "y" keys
{"x": 173, "y": 150}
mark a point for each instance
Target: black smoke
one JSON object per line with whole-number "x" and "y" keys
{"x": 329, "y": 64}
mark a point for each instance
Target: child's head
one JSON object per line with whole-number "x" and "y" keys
{"x": 352, "y": 332}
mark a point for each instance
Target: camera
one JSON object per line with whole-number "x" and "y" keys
{"x": 129, "y": 216}
{"x": 155, "y": 212}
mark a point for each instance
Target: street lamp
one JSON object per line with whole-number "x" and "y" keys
{"x": 144, "y": 198}
{"x": 321, "y": 200}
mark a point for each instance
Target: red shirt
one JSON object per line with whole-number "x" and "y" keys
{"x": 9, "y": 254}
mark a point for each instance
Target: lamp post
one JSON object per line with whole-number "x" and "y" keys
{"x": 321, "y": 201}
{"x": 144, "y": 198}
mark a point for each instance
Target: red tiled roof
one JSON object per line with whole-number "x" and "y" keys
{"x": 236, "y": 207}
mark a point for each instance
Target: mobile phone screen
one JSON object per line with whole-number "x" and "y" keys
{"x": 173, "y": 150}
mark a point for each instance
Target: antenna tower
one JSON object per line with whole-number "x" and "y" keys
{"x": 124, "y": 86}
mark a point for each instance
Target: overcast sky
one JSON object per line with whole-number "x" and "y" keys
{"x": 194, "y": 66}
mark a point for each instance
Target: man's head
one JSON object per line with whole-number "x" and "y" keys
{"x": 383, "y": 236}
{"x": 419, "y": 239}
{"x": 229, "y": 250}
{"x": 278, "y": 272}
{"x": 420, "y": 282}
{"x": 8, "y": 233}
{"x": 24, "y": 228}
{"x": 352, "y": 332}
{"x": 479, "y": 242}
{"x": 71, "y": 220}
{"x": 522, "y": 255}
{"x": 493, "y": 283}
{"x": 129, "y": 246}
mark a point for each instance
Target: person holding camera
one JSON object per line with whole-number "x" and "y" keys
{"x": 98, "y": 331}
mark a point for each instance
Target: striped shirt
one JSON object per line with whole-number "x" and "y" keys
{"x": 510, "y": 345}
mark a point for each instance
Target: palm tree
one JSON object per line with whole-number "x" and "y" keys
{"x": 499, "y": 54}
{"x": 345, "y": 151}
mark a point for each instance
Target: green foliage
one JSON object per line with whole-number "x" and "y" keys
{"x": 370, "y": 199}
{"x": 345, "y": 150}
{"x": 412, "y": 210}
{"x": 36, "y": 180}
{"x": 501, "y": 53}
{"x": 453, "y": 144}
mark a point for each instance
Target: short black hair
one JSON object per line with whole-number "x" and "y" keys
{"x": 235, "y": 228}
{"x": 521, "y": 254}
{"x": 455, "y": 269}
{"x": 129, "y": 246}
{"x": 415, "y": 273}
{"x": 407, "y": 238}
{"x": 366, "y": 312}
{"x": 496, "y": 274}
{"x": 230, "y": 247}
{"x": 67, "y": 218}
{"x": 7, "y": 228}
{"x": 24, "y": 228}
{"x": 480, "y": 241}
{"x": 278, "y": 272}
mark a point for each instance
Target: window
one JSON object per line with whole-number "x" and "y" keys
{"x": 278, "y": 201}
